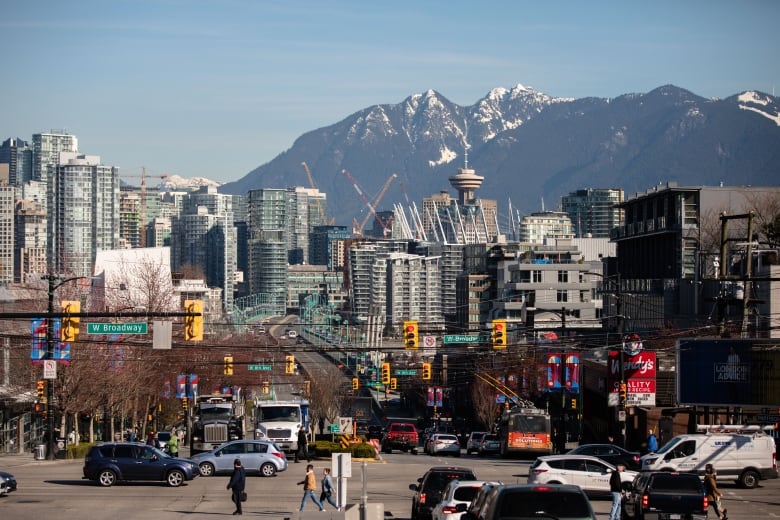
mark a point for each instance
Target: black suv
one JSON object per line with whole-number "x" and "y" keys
{"x": 428, "y": 490}
{"x": 564, "y": 502}
{"x": 110, "y": 462}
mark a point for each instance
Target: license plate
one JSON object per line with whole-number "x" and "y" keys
{"x": 674, "y": 516}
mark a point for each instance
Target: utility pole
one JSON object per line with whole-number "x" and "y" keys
{"x": 622, "y": 387}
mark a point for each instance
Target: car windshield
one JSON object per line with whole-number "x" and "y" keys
{"x": 541, "y": 503}
{"x": 669, "y": 445}
{"x": 279, "y": 414}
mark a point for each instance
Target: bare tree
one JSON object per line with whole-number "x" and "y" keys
{"x": 486, "y": 409}
{"x": 326, "y": 386}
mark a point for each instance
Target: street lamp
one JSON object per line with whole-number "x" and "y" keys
{"x": 50, "y": 356}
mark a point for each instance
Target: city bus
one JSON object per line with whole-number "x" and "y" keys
{"x": 525, "y": 431}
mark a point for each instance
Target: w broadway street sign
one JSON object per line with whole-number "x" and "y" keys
{"x": 118, "y": 328}
{"x": 465, "y": 338}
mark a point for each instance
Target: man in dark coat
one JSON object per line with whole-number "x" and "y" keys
{"x": 303, "y": 446}
{"x": 237, "y": 484}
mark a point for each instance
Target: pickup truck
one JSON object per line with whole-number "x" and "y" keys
{"x": 401, "y": 436}
{"x": 666, "y": 495}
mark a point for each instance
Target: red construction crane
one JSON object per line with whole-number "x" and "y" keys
{"x": 376, "y": 203}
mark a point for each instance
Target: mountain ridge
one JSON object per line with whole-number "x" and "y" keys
{"x": 530, "y": 146}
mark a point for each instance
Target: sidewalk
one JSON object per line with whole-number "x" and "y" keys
{"x": 13, "y": 460}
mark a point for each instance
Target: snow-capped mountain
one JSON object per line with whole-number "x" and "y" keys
{"x": 530, "y": 146}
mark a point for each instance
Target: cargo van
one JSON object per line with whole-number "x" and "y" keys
{"x": 746, "y": 453}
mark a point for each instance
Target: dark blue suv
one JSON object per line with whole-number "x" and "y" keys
{"x": 114, "y": 461}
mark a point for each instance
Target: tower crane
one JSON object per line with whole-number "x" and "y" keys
{"x": 377, "y": 200}
{"x": 142, "y": 209}
{"x": 371, "y": 209}
{"x": 312, "y": 185}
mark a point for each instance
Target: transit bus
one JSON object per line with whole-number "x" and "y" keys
{"x": 526, "y": 431}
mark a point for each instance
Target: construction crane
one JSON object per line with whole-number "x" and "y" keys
{"x": 313, "y": 185}
{"x": 377, "y": 200}
{"x": 142, "y": 209}
{"x": 371, "y": 209}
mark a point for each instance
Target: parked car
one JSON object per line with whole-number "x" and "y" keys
{"x": 666, "y": 494}
{"x": 456, "y": 497}
{"x": 610, "y": 453}
{"x": 444, "y": 444}
{"x": 111, "y": 462}
{"x": 589, "y": 473}
{"x": 258, "y": 457}
{"x": 560, "y": 502}
{"x": 472, "y": 444}
{"x": 7, "y": 483}
{"x": 489, "y": 445}
{"x": 161, "y": 441}
{"x": 429, "y": 488}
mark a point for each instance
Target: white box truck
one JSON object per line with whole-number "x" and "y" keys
{"x": 746, "y": 453}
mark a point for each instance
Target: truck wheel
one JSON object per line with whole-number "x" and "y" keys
{"x": 749, "y": 479}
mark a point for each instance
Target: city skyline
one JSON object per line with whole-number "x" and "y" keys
{"x": 215, "y": 89}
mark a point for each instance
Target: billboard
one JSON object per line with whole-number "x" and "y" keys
{"x": 728, "y": 372}
{"x": 639, "y": 373}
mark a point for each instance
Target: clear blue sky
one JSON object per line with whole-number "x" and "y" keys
{"x": 216, "y": 88}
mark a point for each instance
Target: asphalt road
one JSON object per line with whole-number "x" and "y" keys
{"x": 55, "y": 489}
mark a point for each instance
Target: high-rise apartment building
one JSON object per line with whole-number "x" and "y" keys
{"x": 6, "y": 234}
{"x": 29, "y": 241}
{"x": 83, "y": 213}
{"x": 203, "y": 235}
{"x": 327, "y": 245}
{"x": 15, "y": 161}
{"x": 593, "y": 212}
{"x": 46, "y": 152}
{"x": 542, "y": 225}
{"x": 267, "y": 245}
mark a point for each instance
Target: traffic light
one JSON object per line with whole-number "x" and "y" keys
{"x": 266, "y": 387}
{"x": 623, "y": 394}
{"x": 355, "y": 383}
{"x": 426, "y": 371}
{"x": 411, "y": 335}
{"x": 499, "y": 334}
{"x": 289, "y": 364}
{"x": 228, "y": 371}
{"x": 184, "y": 403}
{"x": 69, "y": 329}
{"x": 573, "y": 403}
{"x": 193, "y": 325}
{"x": 393, "y": 383}
{"x": 41, "y": 388}
{"x": 385, "y": 373}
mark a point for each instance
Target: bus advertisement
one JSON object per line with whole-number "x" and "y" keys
{"x": 525, "y": 431}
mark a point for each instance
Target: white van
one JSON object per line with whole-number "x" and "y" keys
{"x": 744, "y": 452}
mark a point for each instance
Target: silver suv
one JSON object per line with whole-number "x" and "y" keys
{"x": 472, "y": 444}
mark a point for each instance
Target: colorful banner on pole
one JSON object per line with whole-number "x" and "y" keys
{"x": 38, "y": 342}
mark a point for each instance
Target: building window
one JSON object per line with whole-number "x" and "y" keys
{"x": 563, "y": 276}
{"x": 536, "y": 276}
{"x": 562, "y": 295}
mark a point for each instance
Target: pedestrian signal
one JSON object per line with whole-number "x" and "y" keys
{"x": 69, "y": 329}
{"x": 193, "y": 322}
{"x": 228, "y": 370}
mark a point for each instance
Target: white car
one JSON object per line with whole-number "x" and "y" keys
{"x": 590, "y": 473}
{"x": 457, "y": 492}
{"x": 443, "y": 444}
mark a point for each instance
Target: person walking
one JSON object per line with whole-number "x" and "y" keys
{"x": 309, "y": 484}
{"x": 616, "y": 488}
{"x": 303, "y": 446}
{"x": 173, "y": 444}
{"x": 713, "y": 493}
{"x": 327, "y": 489}
{"x": 652, "y": 441}
{"x": 237, "y": 483}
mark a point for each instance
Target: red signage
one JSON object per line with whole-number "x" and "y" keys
{"x": 640, "y": 366}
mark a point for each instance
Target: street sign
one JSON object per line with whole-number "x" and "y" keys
{"x": 118, "y": 328}
{"x": 334, "y": 428}
{"x": 266, "y": 368}
{"x": 465, "y": 338}
{"x": 406, "y": 372}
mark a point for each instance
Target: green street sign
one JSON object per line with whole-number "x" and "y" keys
{"x": 266, "y": 368}
{"x": 118, "y": 328}
{"x": 465, "y": 338}
{"x": 406, "y": 372}
{"x": 334, "y": 428}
